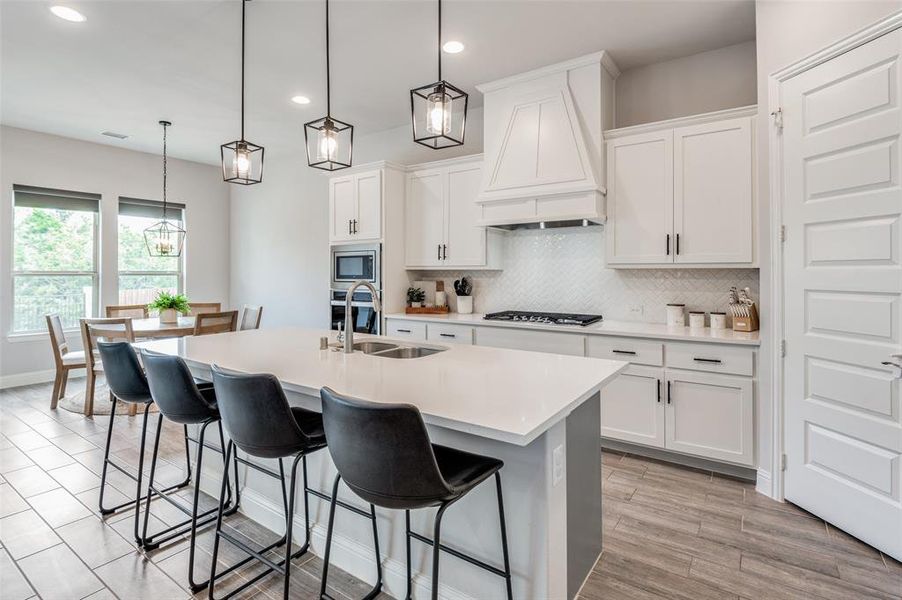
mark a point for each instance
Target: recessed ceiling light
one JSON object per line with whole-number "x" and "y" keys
{"x": 69, "y": 14}
{"x": 453, "y": 47}
{"x": 300, "y": 99}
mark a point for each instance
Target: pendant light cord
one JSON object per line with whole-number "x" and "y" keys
{"x": 439, "y": 40}
{"x": 164, "y": 170}
{"x": 243, "y": 4}
{"x": 328, "y": 68}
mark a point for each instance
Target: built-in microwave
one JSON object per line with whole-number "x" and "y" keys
{"x": 356, "y": 263}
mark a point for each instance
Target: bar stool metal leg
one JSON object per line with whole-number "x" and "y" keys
{"x": 372, "y": 516}
{"x": 407, "y": 540}
{"x": 507, "y": 564}
{"x": 437, "y": 548}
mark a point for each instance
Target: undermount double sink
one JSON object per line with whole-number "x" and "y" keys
{"x": 389, "y": 350}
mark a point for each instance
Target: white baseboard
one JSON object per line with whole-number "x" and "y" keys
{"x": 32, "y": 377}
{"x": 764, "y": 484}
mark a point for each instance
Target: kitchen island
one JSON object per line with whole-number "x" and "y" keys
{"x": 539, "y": 413}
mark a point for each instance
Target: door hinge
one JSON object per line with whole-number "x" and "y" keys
{"x": 783, "y": 348}
{"x": 782, "y": 233}
{"x": 778, "y": 118}
{"x": 782, "y": 462}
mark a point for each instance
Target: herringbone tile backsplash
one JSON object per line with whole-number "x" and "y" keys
{"x": 564, "y": 271}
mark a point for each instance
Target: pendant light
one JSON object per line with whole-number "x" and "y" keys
{"x": 438, "y": 111}
{"x": 242, "y": 161}
{"x": 166, "y": 237}
{"x": 330, "y": 142}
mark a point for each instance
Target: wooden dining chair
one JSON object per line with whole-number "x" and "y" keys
{"x": 108, "y": 330}
{"x": 135, "y": 311}
{"x": 218, "y": 322}
{"x": 199, "y": 308}
{"x": 250, "y": 317}
{"x": 64, "y": 359}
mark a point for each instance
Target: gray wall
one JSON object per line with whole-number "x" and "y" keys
{"x": 42, "y": 160}
{"x": 788, "y": 31}
{"x": 704, "y": 82}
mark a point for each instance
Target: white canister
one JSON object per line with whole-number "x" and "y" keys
{"x": 696, "y": 319}
{"x": 675, "y": 315}
{"x": 465, "y": 305}
{"x": 718, "y": 320}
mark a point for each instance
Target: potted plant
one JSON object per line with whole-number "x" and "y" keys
{"x": 169, "y": 306}
{"x": 415, "y": 297}
{"x": 463, "y": 287}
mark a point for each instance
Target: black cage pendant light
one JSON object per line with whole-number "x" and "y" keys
{"x": 242, "y": 161}
{"x": 166, "y": 237}
{"x": 438, "y": 111}
{"x": 330, "y": 142}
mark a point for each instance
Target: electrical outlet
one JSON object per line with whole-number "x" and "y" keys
{"x": 557, "y": 465}
{"x": 635, "y": 310}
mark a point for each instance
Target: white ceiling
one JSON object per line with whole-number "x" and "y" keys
{"x": 134, "y": 62}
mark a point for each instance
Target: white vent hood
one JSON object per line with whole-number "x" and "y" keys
{"x": 543, "y": 144}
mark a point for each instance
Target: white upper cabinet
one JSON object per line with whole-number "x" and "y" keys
{"x": 441, "y": 219}
{"x": 712, "y": 192}
{"x": 640, "y": 208}
{"x": 682, "y": 192}
{"x": 355, "y": 207}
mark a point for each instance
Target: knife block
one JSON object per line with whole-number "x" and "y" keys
{"x": 749, "y": 323}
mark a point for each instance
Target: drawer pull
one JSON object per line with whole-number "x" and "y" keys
{"x": 629, "y": 352}
{"x": 450, "y": 335}
{"x": 713, "y": 361}
{"x": 403, "y": 331}
{"x": 668, "y": 392}
{"x": 659, "y": 390}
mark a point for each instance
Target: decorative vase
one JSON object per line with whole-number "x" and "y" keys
{"x": 169, "y": 315}
{"x": 465, "y": 305}
{"x": 416, "y": 304}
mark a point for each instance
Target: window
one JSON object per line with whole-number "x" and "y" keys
{"x": 54, "y": 257}
{"x": 141, "y": 276}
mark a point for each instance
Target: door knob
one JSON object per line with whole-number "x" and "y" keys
{"x": 897, "y": 368}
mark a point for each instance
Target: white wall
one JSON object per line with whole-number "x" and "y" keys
{"x": 38, "y": 159}
{"x": 786, "y": 32}
{"x": 280, "y": 238}
{"x": 704, "y": 82}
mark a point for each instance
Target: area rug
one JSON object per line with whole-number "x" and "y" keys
{"x": 75, "y": 401}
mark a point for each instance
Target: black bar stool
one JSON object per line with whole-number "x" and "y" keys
{"x": 260, "y": 422}
{"x": 383, "y": 453}
{"x": 127, "y": 383}
{"x": 180, "y": 400}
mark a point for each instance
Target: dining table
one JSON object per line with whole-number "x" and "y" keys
{"x": 152, "y": 328}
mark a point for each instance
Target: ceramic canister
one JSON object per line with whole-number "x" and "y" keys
{"x": 676, "y": 315}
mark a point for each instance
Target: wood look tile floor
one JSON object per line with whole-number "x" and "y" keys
{"x": 669, "y": 531}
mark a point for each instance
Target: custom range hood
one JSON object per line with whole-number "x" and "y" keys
{"x": 543, "y": 145}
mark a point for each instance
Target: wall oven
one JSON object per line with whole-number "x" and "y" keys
{"x": 353, "y": 263}
{"x": 363, "y": 314}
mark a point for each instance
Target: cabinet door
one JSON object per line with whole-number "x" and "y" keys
{"x": 465, "y": 245}
{"x": 424, "y": 218}
{"x": 632, "y": 407}
{"x": 710, "y": 415}
{"x": 368, "y": 190}
{"x": 713, "y": 192}
{"x": 341, "y": 208}
{"x": 640, "y": 199}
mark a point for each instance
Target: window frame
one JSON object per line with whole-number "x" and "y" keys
{"x": 15, "y": 273}
{"x": 179, "y": 274}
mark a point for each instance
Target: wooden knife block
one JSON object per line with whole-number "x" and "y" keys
{"x": 749, "y": 323}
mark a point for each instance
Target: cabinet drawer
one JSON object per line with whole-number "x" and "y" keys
{"x": 406, "y": 329}
{"x": 714, "y": 358}
{"x": 449, "y": 333}
{"x": 637, "y": 351}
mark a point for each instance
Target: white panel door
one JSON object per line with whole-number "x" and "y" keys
{"x": 341, "y": 208}
{"x": 465, "y": 239}
{"x": 368, "y": 188}
{"x": 632, "y": 407}
{"x": 424, "y": 219}
{"x": 711, "y": 416}
{"x": 712, "y": 192}
{"x": 640, "y": 199}
{"x": 842, "y": 285}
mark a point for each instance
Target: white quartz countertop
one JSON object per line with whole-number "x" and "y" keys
{"x": 618, "y": 328}
{"x": 508, "y": 395}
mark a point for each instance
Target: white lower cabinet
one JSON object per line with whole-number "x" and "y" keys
{"x": 536, "y": 341}
{"x": 413, "y": 330}
{"x": 710, "y": 415}
{"x": 632, "y": 407}
{"x": 449, "y": 333}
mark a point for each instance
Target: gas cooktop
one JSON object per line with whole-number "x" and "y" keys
{"x": 543, "y": 318}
